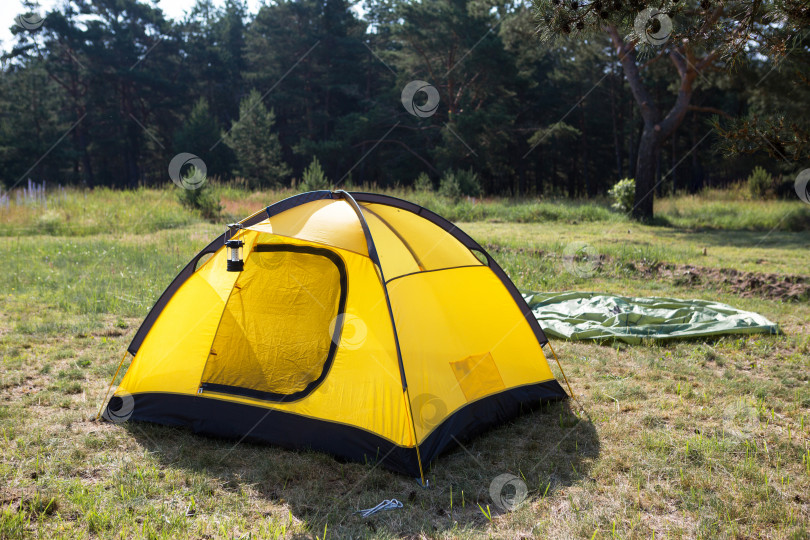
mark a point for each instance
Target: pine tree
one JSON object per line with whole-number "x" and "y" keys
{"x": 256, "y": 144}
{"x": 199, "y": 136}
{"x": 697, "y": 37}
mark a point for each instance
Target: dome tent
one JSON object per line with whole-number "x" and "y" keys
{"x": 360, "y": 325}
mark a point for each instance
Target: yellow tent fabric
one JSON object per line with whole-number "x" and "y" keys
{"x": 351, "y": 330}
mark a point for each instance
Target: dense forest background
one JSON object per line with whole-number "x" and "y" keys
{"x": 107, "y": 92}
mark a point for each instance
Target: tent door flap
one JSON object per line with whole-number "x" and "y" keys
{"x": 280, "y": 328}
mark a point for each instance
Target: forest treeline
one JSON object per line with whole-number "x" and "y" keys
{"x": 107, "y": 92}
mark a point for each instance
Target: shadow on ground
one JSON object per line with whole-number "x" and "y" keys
{"x": 739, "y": 238}
{"x": 547, "y": 448}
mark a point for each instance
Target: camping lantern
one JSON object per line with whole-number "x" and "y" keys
{"x": 235, "y": 262}
{"x": 234, "y": 247}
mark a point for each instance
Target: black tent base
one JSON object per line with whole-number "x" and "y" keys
{"x": 243, "y": 422}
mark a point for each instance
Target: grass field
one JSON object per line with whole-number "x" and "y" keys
{"x": 692, "y": 439}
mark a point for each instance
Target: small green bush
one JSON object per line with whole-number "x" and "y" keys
{"x": 470, "y": 182}
{"x": 760, "y": 183}
{"x": 50, "y": 222}
{"x": 201, "y": 199}
{"x": 457, "y": 183}
{"x": 449, "y": 186}
{"x": 314, "y": 178}
{"x": 623, "y": 194}
{"x": 423, "y": 183}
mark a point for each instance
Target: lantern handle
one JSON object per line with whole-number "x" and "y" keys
{"x": 231, "y": 228}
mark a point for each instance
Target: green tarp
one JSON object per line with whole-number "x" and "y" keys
{"x": 597, "y": 316}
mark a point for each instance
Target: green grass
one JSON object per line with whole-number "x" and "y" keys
{"x": 103, "y": 273}
{"x": 733, "y": 209}
{"x": 775, "y": 252}
{"x": 99, "y": 211}
{"x": 103, "y": 211}
{"x": 689, "y": 439}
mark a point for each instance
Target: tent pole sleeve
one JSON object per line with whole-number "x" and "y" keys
{"x": 103, "y": 401}
{"x": 372, "y": 253}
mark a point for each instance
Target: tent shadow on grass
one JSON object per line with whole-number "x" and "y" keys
{"x": 549, "y": 448}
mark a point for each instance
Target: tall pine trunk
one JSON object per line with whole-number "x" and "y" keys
{"x": 645, "y": 173}
{"x": 657, "y": 126}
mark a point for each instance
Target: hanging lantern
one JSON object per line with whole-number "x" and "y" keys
{"x": 235, "y": 262}
{"x": 234, "y": 247}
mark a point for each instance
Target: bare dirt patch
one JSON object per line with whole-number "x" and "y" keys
{"x": 784, "y": 287}
{"x": 108, "y": 332}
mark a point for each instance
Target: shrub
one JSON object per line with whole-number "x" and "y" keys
{"x": 469, "y": 182}
{"x": 314, "y": 178}
{"x": 760, "y": 183}
{"x": 202, "y": 200}
{"x": 623, "y": 194}
{"x": 449, "y": 186}
{"x": 457, "y": 183}
{"x": 50, "y": 222}
{"x": 423, "y": 183}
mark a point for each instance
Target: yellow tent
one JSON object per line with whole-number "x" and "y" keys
{"x": 359, "y": 324}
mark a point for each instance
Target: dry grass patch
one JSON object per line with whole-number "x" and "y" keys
{"x": 692, "y": 439}
{"x": 685, "y": 440}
